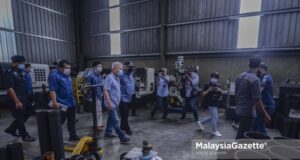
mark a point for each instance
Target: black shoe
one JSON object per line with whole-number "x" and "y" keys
{"x": 125, "y": 140}
{"x": 129, "y": 132}
{"x": 110, "y": 136}
{"x": 13, "y": 133}
{"x": 28, "y": 138}
{"x": 134, "y": 115}
{"x": 164, "y": 117}
{"x": 181, "y": 118}
{"x": 74, "y": 138}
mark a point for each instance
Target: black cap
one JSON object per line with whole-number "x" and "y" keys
{"x": 130, "y": 64}
{"x": 17, "y": 59}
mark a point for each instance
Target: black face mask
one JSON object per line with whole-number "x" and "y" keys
{"x": 258, "y": 73}
{"x": 129, "y": 70}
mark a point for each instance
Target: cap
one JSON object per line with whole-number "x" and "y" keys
{"x": 17, "y": 59}
{"x": 130, "y": 64}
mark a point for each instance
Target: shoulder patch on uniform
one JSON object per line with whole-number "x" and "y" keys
{"x": 264, "y": 80}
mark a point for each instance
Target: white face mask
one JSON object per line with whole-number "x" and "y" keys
{"x": 214, "y": 80}
{"x": 67, "y": 71}
{"x": 99, "y": 69}
{"x": 120, "y": 73}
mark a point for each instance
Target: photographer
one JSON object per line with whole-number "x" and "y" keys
{"x": 213, "y": 94}
{"x": 190, "y": 93}
{"x": 162, "y": 84}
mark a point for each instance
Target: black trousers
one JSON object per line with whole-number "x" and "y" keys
{"x": 70, "y": 115}
{"x": 20, "y": 117}
{"x": 162, "y": 102}
{"x": 246, "y": 124}
{"x": 124, "y": 113}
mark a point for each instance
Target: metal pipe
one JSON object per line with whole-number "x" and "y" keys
{"x": 242, "y": 52}
{"x": 231, "y": 17}
{"x": 44, "y": 8}
{"x": 124, "y": 56}
{"x": 115, "y": 6}
{"x": 35, "y": 35}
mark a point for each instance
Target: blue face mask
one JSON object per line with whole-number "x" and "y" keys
{"x": 120, "y": 73}
{"x": 21, "y": 66}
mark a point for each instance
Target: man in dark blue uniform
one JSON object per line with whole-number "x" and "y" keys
{"x": 127, "y": 93}
{"x": 61, "y": 94}
{"x": 267, "y": 98}
{"x": 94, "y": 78}
{"x": 19, "y": 98}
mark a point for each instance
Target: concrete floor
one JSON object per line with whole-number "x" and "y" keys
{"x": 170, "y": 138}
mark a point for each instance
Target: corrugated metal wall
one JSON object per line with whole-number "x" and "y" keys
{"x": 140, "y": 32}
{"x": 209, "y": 33}
{"x": 7, "y": 38}
{"x": 44, "y": 30}
{"x": 94, "y": 28}
{"x": 281, "y": 29}
{"x": 140, "y": 27}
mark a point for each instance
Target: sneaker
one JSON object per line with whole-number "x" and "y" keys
{"x": 217, "y": 133}
{"x": 125, "y": 140}
{"x": 74, "y": 138}
{"x": 235, "y": 125}
{"x": 13, "y": 133}
{"x": 110, "y": 136}
{"x": 28, "y": 138}
{"x": 201, "y": 125}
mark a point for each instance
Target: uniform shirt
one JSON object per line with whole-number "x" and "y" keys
{"x": 162, "y": 86}
{"x": 18, "y": 82}
{"x": 62, "y": 86}
{"x": 247, "y": 92}
{"x": 112, "y": 85}
{"x": 267, "y": 92}
{"x": 29, "y": 83}
{"x": 212, "y": 97}
{"x": 189, "y": 86}
{"x": 127, "y": 87}
{"x": 94, "y": 78}
{"x": 52, "y": 72}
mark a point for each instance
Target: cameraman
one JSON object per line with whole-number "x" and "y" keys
{"x": 190, "y": 93}
{"x": 213, "y": 94}
{"x": 162, "y": 84}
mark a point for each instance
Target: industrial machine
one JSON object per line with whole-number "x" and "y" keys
{"x": 287, "y": 114}
{"x": 144, "y": 81}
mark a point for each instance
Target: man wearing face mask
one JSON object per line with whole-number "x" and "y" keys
{"x": 162, "y": 83}
{"x": 212, "y": 93}
{"x": 248, "y": 97}
{"x": 95, "y": 78}
{"x": 19, "y": 98}
{"x": 112, "y": 98}
{"x": 190, "y": 95}
{"x": 267, "y": 98}
{"x": 61, "y": 94}
{"x": 127, "y": 93}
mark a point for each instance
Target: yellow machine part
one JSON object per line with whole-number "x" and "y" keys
{"x": 77, "y": 83}
{"x": 82, "y": 146}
